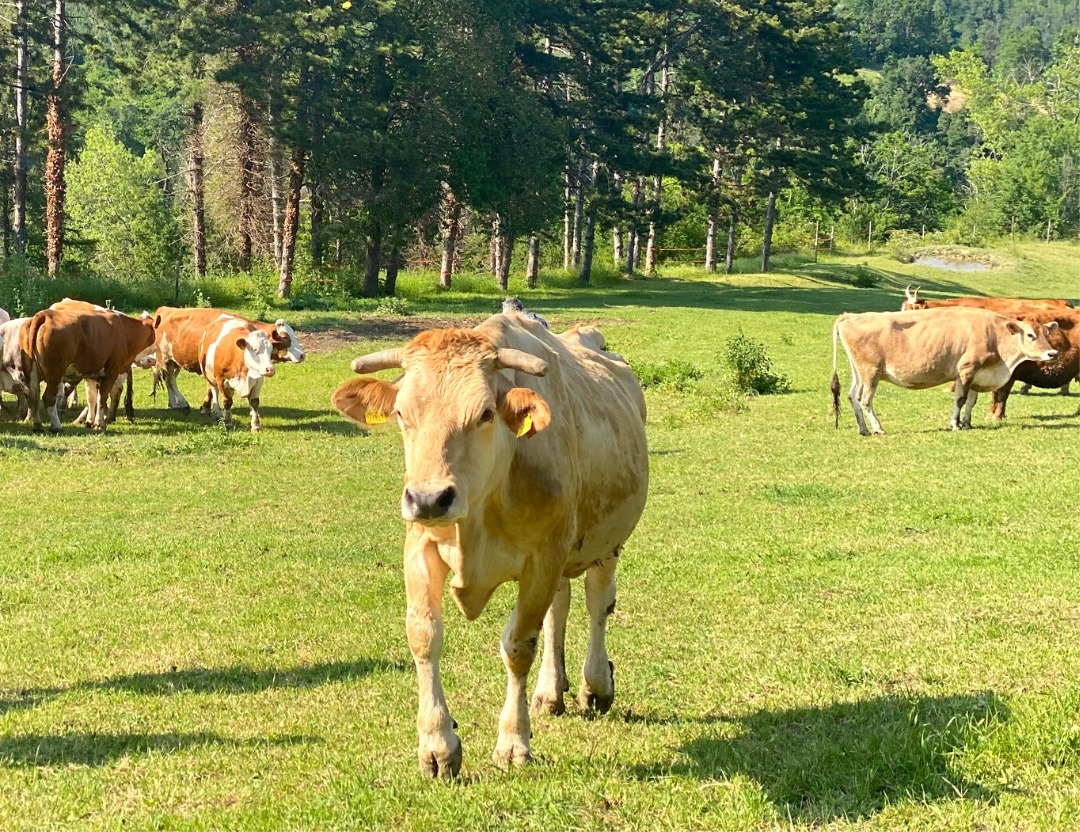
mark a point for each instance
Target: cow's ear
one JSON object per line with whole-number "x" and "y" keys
{"x": 524, "y": 411}
{"x": 1051, "y": 326}
{"x": 366, "y": 401}
{"x": 1014, "y": 327}
{"x": 241, "y": 342}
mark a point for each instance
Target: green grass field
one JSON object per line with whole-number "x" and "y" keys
{"x": 201, "y": 630}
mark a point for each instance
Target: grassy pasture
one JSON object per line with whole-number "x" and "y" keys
{"x": 204, "y": 631}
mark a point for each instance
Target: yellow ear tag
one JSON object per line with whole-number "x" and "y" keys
{"x": 526, "y": 425}
{"x": 375, "y": 417}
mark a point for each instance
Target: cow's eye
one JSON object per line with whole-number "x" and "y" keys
{"x": 1031, "y": 336}
{"x": 487, "y": 416}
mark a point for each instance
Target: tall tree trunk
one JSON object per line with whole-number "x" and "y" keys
{"x": 766, "y": 243}
{"x": 494, "y": 247}
{"x": 658, "y": 181}
{"x": 616, "y": 231}
{"x": 579, "y": 214}
{"x": 589, "y": 234}
{"x": 198, "y": 211}
{"x": 291, "y": 223}
{"x": 393, "y": 266}
{"x": 636, "y": 197}
{"x": 451, "y": 225}
{"x": 729, "y": 254}
{"x": 506, "y": 250}
{"x": 710, "y": 234}
{"x": 532, "y": 267}
{"x": 568, "y": 222}
{"x": 276, "y": 211}
{"x": 318, "y": 227}
{"x": 372, "y": 259}
{"x": 56, "y": 119}
{"x": 22, "y": 81}
{"x": 249, "y": 173}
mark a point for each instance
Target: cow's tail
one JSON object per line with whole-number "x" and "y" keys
{"x": 32, "y": 328}
{"x": 834, "y": 386}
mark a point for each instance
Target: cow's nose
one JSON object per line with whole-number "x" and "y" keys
{"x": 1051, "y": 355}
{"x": 429, "y": 504}
{"x": 270, "y": 371}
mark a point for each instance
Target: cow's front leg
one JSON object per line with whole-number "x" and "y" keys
{"x": 552, "y": 682}
{"x": 1000, "y": 398}
{"x": 207, "y": 407}
{"x": 226, "y": 397}
{"x": 519, "y": 639}
{"x": 598, "y": 673}
{"x": 438, "y": 748}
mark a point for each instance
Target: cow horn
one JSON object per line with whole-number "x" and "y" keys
{"x": 382, "y": 360}
{"x": 916, "y": 295}
{"x": 508, "y": 359}
{"x": 907, "y": 292}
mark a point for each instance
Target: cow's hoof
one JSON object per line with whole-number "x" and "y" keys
{"x": 879, "y": 432}
{"x": 256, "y": 429}
{"x": 52, "y": 430}
{"x": 596, "y": 700}
{"x": 547, "y": 704}
{"x": 864, "y": 432}
{"x": 511, "y": 753}
{"x": 954, "y": 426}
{"x": 445, "y": 766}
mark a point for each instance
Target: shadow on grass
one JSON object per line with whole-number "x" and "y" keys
{"x": 846, "y": 760}
{"x": 94, "y": 749}
{"x": 243, "y": 679}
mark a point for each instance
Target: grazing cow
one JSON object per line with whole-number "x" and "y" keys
{"x": 976, "y": 349}
{"x": 179, "y": 338}
{"x": 235, "y": 358}
{"x": 1065, "y": 338}
{"x": 526, "y": 460}
{"x": 96, "y": 346}
{"x": 12, "y": 377}
{"x": 1003, "y": 306}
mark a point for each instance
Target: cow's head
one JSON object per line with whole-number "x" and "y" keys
{"x": 459, "y": 415}
{"x": 912, "y": 300}
{"x": 1034, "y": 338}
{"x": 286, "y": 344}
{"x": 258, "y": 352}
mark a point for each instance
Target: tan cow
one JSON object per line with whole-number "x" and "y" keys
{"x": 179, "y": 339}
{"x": 976, "y": 349}
{"x": 526, "y": 460}
{"x": 94, "y": 346}
{"x": 1003, "y": 306}
{"x": 235, "y": 358}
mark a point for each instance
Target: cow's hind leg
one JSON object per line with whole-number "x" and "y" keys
{"x": 551, "y": 683}
{"x": 519, "y": 640}
{"x": 54, "y": 395}
{"x": 170, "y": 371}
{"x": 965, "y": 418}
{"x": 866, "y": 401}
{"x": 960, "y": 397}
{"x": 439, "y": 748}
{"x": 598, "y": 673}
{"x": 854, "y": 394}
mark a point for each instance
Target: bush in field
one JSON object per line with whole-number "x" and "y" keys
{"x": 751, "y": 368}
{"x": 115, "y": 203}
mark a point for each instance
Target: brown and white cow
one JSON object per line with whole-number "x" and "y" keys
{"x": 1065, "y": 338}
{"x": 12, "y": 374}
{"x": 1003, "y": 306}
{"x": 235, "y": 358}
{"x": 976, "y": 349}
{"x": 91, "y": 345}
{"x": 179, "y": 338}
{"x": 525, "y": 460}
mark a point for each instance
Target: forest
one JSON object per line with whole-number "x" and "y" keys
{"x": 323, "y": 147}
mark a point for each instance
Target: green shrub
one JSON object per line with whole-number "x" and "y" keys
{"x": 863, "y": 277}
{"x": 393, "y": 306}
{"x": 673, "y": 375}
{"x": 751, "y": 368}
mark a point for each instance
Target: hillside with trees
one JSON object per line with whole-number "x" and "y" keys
{"x": 325, "y": 146}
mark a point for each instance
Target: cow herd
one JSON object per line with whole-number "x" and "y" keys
{"x": 979, "y": 344}
{"x": 75, "y": 341}
{"x": 525, "y": 451}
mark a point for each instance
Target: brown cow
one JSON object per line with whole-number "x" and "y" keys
{"x": 179, "y": 339}
{"x": 1065, "y": 338}
{"x": 976, "y": 349}
{"x": 94, "y": 346}
{"x": 235, "y": 357}
{"x": 1003, "y": 306}
{"x": 526, "y": 460}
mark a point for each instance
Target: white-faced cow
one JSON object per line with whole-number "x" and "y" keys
{"x": 525, "y": 460}
{"x": 235, "y": 358}
{"x": 101, "y": 347}
{"x": 976, "y": 349}
{"x": 179, "y": 340}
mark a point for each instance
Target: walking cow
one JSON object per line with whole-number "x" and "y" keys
{"x": 525, "y": 461}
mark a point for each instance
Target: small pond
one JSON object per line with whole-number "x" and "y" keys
{"x": 952, "y": 264}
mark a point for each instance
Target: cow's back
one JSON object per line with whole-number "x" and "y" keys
{"x": 593, "y": 454}
{"x": 179, "y": 334}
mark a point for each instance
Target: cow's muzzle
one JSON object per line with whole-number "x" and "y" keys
{"x": 428, "y": 503}
{"x": 1050, "y": 355}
